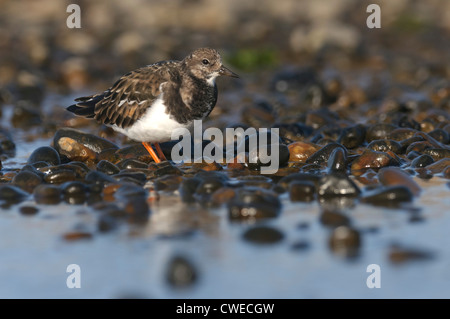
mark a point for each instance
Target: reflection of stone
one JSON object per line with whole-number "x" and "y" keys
{"x": 345, "y": 241}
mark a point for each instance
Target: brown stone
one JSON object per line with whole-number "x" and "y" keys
{"x": 301, "y": 151}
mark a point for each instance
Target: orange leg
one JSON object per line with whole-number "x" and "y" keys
{"x": 152, "y": 153}
{"x": 160, "y": 152}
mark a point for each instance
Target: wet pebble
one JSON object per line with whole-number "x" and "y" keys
{"x": 137, "y": 209}
{"x": 301, "y": 151}
{"x": 323, "y": 139}
{"x": 135, "y": 177}
{"x": 254, "y": 203}
{"x": 74, "y": 193}
{"x": 60, "y": 176}
{"x": 131, "y": 163}
{"x": 293, "y": 131}
{"x": 432, "y": 141}
{"x": 33, "y": 169}
{"x": 400, "y": 134}
{"x": 353, "y": 136}
{"x": 268, "y": 158}
{"x": 7, "y": 145}
{"x": 440, "y": 135}
{"x": 79, "y": 169}
{"x": 12, "y": 194}
{"x": 168, "y": 183}
{"x": 399, "y": 255}
{"x": 136, "y": 151}
{"x": 345, "y": 241}
{"x": 28, "y": 210}
{"x": 419, "y": 147}
{"x": 423, "y": 173}
{"x": 74, "y": 150}
{"x": 27, "y": 180}
{"x": 379, "y": 131}
{"x": 187, "y": 189}
{"x": 222, "y": 195}
{"x": 181, "y": 273}
{"x": 369, "y": 177}
{"x": 111, "y": 155}
{"x": 385, "y": 145}
{"x": 300, "y": 177}
{"x": 446, "y": 173}
{"x": 391, "y": 176}
{"x": 206, "y": 187}
{"x": 74, "y": 188}
{"x": 402, "y": 120}
{"x": 110, "y": 209}
{"x": 166, "y": 168}
{"x": 337, "y": 162}
{"x": 107, "y": 167}
{"x": 302, "y": 191}
{"x": 46, "y": 154}
{"x": 81, "y": 140}
{"x": 437, "y": 153}
{"x": 108, "y": 192}
{"x": 392, "y": 196}
{"x": 412, "y": 155}
{"x": 337, "y": 184}
{"x": 106, "y": 223}
{"x": 77, "y": 235}
{"x": 321, "y": 156}
{"x": 373, "y": 160}
{"x": 263, "y": 235}
{"x": 422, "y": 161}
{"x": 99, "y": 178}
{"x": 406, "y": 144}
{"x": 7, "y": 177}
{"x": 47, "y": 194}
{"x": 128, "y": 192}
{"x": 439, "y": 166}
{"x": 332, "y": 218}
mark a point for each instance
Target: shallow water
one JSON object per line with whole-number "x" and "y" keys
{"x": 132, "y": 261}
{"x": 292, "y": 68}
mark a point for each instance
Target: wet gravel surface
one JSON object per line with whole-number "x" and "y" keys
{"x": 364, "y": 152}
{"x": 367, "y": 193}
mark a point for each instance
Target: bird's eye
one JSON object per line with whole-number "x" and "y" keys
{"x": 205, "y": 62}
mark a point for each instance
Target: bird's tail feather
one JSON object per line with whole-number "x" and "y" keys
{"x": 85, "y": 106}
{"x": 86, "y": 111}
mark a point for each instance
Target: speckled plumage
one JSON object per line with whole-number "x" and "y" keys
{"x": 148, "y": 103}
{"x": 186, "y": 93}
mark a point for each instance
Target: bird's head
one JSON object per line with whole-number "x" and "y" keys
{"x": 206, "y": 64}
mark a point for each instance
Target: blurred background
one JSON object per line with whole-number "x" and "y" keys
{"x": 38, "y": 51}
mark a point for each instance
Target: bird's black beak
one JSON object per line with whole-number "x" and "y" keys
{"x": 227, "y": 72}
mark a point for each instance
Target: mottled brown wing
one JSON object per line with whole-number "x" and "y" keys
{"x": 132, "y": 95}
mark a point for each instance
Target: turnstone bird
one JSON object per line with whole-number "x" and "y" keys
{"x": 147, "y": 104}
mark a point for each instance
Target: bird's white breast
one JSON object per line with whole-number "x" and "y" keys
{"x": 154, "y": 126}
